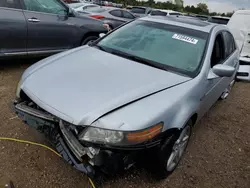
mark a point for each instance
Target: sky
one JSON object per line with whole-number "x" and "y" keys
{"x": 221, "y": 5}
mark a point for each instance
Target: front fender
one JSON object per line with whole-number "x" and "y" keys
{"x": 181, "y": 115}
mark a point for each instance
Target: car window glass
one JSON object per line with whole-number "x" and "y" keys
{"x": 222, "y": 21}
{"x": 158, "y": 13}
{"x": 47, "y": 6}
{"x": 127, "y": 15}
{"x": 229, "y": 43}
{"x": 116, "y": 13}
{"x": 218, "y": 51}
{"x": 138, "y": 10}
{"x": 10, "y": 4}
{"x": 174, "y": 14}
{"x": 159, "y": 43}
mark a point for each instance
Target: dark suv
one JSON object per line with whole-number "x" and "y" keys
{"x": 41, "y": 27}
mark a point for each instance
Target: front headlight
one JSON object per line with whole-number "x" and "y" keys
{"x": 104, "y": 136}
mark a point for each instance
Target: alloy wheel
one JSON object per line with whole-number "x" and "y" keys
{"x": 179, "y": 148}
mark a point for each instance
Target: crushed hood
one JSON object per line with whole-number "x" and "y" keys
{"x": 87, "y": 83}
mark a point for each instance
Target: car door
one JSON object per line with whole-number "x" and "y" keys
{"x": 214, "y": 86}
{"x": 13, "y": 28}
{"x": 48, "y": 27}
{"x": 116, "y": 18}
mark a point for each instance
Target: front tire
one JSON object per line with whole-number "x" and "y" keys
{"x": 171, "y": 151}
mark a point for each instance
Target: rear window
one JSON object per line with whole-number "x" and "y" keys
{"x": 158, "y": 13}
{"x": 202, "y": 17}
{"x": 175, "y": 14}
{"x": 138, "y": 10}
{"x": 223, "y": 21}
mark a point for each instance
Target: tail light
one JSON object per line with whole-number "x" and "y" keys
{"x": 97, "y": 16}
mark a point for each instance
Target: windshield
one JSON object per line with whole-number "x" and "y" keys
{"x": 138, "y": 10}
{"x": 223, "y": 21}
{"x": 165, "y": 46}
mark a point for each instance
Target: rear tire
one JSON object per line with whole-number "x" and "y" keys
{"x": 171, "y": 151}
{"x": 89, "y": 39}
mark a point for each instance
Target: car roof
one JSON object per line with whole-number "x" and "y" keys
{"x": 242, "y": 12}
{"x": 182, "y": 21}
{"x": 105, "y": 8}
{"x": 140, "y": 7}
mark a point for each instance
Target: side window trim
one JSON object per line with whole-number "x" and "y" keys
{"x": 235, "y": 48}
{"x": 223, "y": 46}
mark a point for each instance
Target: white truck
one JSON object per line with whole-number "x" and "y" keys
{"x": 239, "y": 25}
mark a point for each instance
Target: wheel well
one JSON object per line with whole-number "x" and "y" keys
{"x": 194, "y": 118}
{"x": 177, "y": 131}
{"x": 88, "y": 35}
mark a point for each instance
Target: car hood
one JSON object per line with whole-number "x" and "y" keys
{"x": 87, "y": 83}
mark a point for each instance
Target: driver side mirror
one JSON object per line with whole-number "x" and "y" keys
{"x": 221, "y": 70}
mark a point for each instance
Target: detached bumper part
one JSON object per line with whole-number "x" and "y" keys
{"x": 86, "y": 158}
{"x": 48, "y": 125}
{"x": 66, "y": 154}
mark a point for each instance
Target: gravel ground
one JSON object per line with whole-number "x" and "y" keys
{"x": 217, "y": 156}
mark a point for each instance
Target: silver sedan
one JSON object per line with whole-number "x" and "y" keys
{"x": 137, "y": 91}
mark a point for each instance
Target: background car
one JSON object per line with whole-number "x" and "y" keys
{"x": 138, "y": 91}
{"x": 202, "y": 17}
{"x": 140, "y": 11}
{"x": 43, "y": 27}
{"x": 79, "y": 7}
{"x": 112, "y": 16}
{"x": 162, "y": 12}
{"x": 240, "y": 27}
{"x": 219, "y": 20}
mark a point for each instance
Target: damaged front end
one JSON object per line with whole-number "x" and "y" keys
{"x": 87, "y": 157}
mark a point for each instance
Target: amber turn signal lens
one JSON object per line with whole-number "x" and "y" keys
{"x": 145, "y": 134}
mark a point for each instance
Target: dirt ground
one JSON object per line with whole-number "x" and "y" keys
{"x": 218, "y": 155}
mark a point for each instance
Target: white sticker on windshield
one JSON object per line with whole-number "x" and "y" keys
{"x": 185, "y": 38}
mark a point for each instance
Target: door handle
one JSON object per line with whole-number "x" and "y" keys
{"x": 33, "y": 20}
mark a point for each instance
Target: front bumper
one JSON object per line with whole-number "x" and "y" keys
{"x": 244, "y": 70}
{"x": 87, "y": 158}
{"x": 49, "y": 125}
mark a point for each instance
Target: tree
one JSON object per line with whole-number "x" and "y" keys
{"x": 203, "y": 8}
{"x": 179, "y": 3}
{"x": 213, "y": 13}
{"x": 150, "y": 3}
{"x": 229, "y": 14}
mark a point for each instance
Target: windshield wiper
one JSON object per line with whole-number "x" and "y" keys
{"x": 131, "y": 57}
{"x": 247, "y": 56}
{"x": 102, "y": 48}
